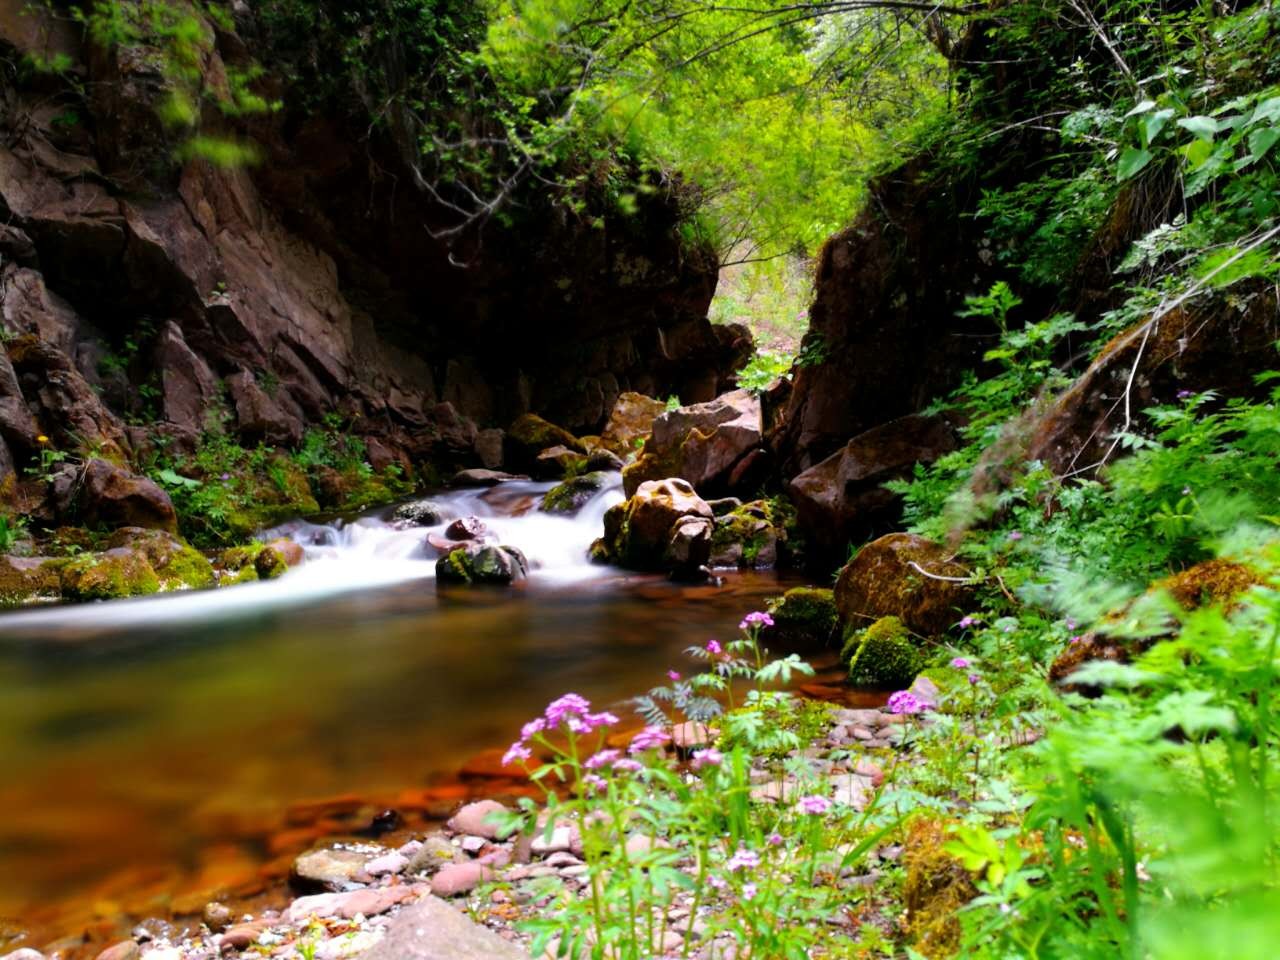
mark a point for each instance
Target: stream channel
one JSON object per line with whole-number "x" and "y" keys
{"x": 157, "y": 750}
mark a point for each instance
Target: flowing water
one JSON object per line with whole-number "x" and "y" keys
{"x": 156, "y": 752}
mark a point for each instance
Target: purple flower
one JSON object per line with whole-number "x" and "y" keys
{"x": 595, "y": 783}
{"x": 710, "y": 757}
{"x": 757, "y": 619}
{"x": 673, "y": 676}
{"x": 517, "y": 751}
{"x": 774, "y": 840}
{"x": 1070, "y": 623}
{"x": 596, "y": 720}
{"x": 813, "y": 805}
{"x": 715, "y": 882}
{"x": 748, "y": 891}
{"x": 1016, "y": 535}
{"x": 650, "y": 738}
{"x": 535, "y": 726}
{"x": 1076, "y": 639}
{"x": 570, "y": 705}
{"x": 1184, "y": 394}
{"x": 714, "y": 648}
{"x": 960, "y": 663}
{"x": 226, "y": 476}
{"x": 904, "y": 701}
{"x": 966, "y": 622}
{"x": 744, "y": 859}
{"x": 631, "y": 766}
{"x": 973, "y": 679}
{"x": 601, "y": 759}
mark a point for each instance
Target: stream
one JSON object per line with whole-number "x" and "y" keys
{"x": 157, "y": 751}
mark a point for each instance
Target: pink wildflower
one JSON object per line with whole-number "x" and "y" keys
{"x": 757, "y": 619}
{"x": 673, "y": 676}
{"x": 748, "y": 891}
{"x": 775, "y": 840}
{"x": 517, "y": 751}
{"x": 594, "y": 783}
{"x": 904, "y": 701}
{"x": 710, "y": 757}
{"x": 601, "y": 759}
{"x": 714, "y": 648}
{"x": 960, "y": 663}
{"x": 744, "y": 859}
{"x": 532, "y": 728}
{"x": 570, "y": 705}
{"x": 631, "y": 766}
{"x": 650, "y": 738}
{"x": 813, "y": 804}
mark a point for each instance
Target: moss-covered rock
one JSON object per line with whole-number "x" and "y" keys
{"x": 28, "y": 579}
{"x": 259, "y": 561}
{"x": 476, "y": 562}
{"x": 421, "y": 513}
{"x": 558, "y": 462}
{"x": 570, "y": 496}
{"x": 905, "y": 576}
{"x": 745, "y": 538}
{"x": 638, "y": 532}
{"x": 935, "y": 888}
{"x": 883, "y": 655}
{"x": 529, "y": 435}
{"x": 804, "y": 618}
{"x": 116, "y": 573}
{"x": 177, "y": 564}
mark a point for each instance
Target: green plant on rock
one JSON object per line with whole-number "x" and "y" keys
{"x": 884, "y": 655}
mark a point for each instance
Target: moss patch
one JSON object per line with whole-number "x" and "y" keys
{"x": 804, "y": 617}
{"x": 121, "y": 572}
{"x": 24, "y": 579}
{"x": 935, "y": 888}
{"x": 570, "y": 496}
{"x": 883, "y": 655}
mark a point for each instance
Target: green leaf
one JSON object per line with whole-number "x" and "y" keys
{"x": 1203, "y": 127}
{"x": 1197, "y": 152}
{"x": 1152, "y": 124}
{"x": 1255, "y": 263}
{"x": 1132, "y": 162}
{"x": 1146, "y": 106}
{"x": 1261, "y": 141}
{"x": 171, "y": 479}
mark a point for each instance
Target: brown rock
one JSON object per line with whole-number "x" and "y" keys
{"x": 904, "y": 576}
{"x": 843, "y": 500}
{"x": 456, "y": 878}
{"x": 112, "y": 496}
{"x": 217, "y": 916}
{"x": 630, "y": 420}
{"x": 434, "y": 930}
{"x": 259, "y": 416}
{"x": 639, "y": 532}
{"x": 529, "y": 435}
{"x": 483, "y": 478}
{"x": 124, "y": 950}
{"x": 701, "y": 444}
{"x": 466, "y": 528}
{"x": 277, "y": 556}
{"x": 190, "y": 391}
{"x": 368, "y": 902}
{"x": 242, "y": 935}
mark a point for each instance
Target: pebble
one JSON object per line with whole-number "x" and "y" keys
{"x": 347, "y": 905}
{"x": 472, "y": 819}
{"x": 457, "y": 878}
{"x": 243, "y": 934}
{"x": 561, "y": 839}
{"x": 23, "y": 953}
{"x": 435, "y": 852}
{"x": 124, "y": 950}
{"x": 217, "y": 916}
{"x": 393, "y": 862}
{"x": 473, "y": 845}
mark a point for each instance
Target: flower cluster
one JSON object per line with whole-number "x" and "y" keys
{"x": 757, "y": 619}
{"x": 710, "y": 757}
{"x": 744, "y": 859}
{"x": 571, "y": 712}
{"x": 960, "y": 663}
{"x": 904, "y": 701}
{"x": 650, "y": 738}
{"x": 813, "y": 805}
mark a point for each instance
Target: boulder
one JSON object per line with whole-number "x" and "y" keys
{"x": 843, "y": 500}
{"x": 433, "y": 930}
{"x": 638, "y": 532}
{"x": 557, "y": 462}
{"x": 882, "y": 655}
{"x": 176, "y": 563}
{"x": 804, "y": 618}
{"x": 483, "y": 478}
{"x": 23, "y": 579}
{"x": 276, "y": 557}
{"x": 188, "y": 387}
{"x": 261, "y": 419}
{"x": 688, "y": 546}
{"x": 102, "y": 493}
{"x": 702, "y": 444}
{"x": 488, "y": 447}
{"x": 630, "y": 420}
{"x": 476, "y": 562}
{"x": 466, "y": 528}
{"x": 905, "y": 576}
{"x": 745, "y": 537}
{"x": 601, "y": 459}
{"x": 115, "y": 573}
{"x": 529, "y": 435}
{"x": 570, "y": 496}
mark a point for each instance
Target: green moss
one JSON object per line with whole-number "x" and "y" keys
{"x": 569, "y": 496}
{"x": 883, "y": 655}
{"x": 742, "y": 534}
{"x": 805, "y": 616}
{"x": 22, "y": 581}
{"x": 244, "y": 575}
{"x": 121, "y": 572}
{"x": 534, "y": 434}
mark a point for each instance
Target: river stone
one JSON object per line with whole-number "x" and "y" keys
{"x": 458, "y": 878}
{"x": 572, "y": 495}
{"x": 631, "y": 420}
{"x": 466, "y": 528}
{"x": 243, "y": 934}
{"x": 420, "y": 513}
{"x": 369, "y": 902}
{"x": 328, "y": 867}
{"x": 217, "y": 916}
{"x": 435, "y": 853}
{"x": 433, "y": 930}
{"x": 393, "y": 862}
{"x": 475, "y": 562}
{"x": 124, "y": 950}
{"x": 905, "y": 576}
{"x": 473, "y": 819}
{"x": 604, "y": 460}
{"x": 483, "y": 478}
{"x": 23, "y": 953}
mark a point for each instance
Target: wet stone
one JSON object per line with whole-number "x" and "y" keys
{"x": 473, "y": 819}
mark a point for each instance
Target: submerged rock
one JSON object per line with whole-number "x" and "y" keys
{"x": 905, "y": 576}
{"x": 420, "y": 513}
{"x": 476, "y": 562}
{"x": 570, "y": 496}
{"x": 466, "y": 528}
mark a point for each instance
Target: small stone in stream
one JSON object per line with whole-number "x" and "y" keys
{"x": 217, "y": 916}
{"x": 861, "y": 733}
{"x": 473, "y": 845}
{"x": 466, "y": 528}
{"x": 433, "y": 930}
{"x": 23, "y": 953}
{"x": 872, "y": 771}
{"x": 388, "y": 863}
{"x": 561, "y": 839}
{"x": 124, "y": 950}
{"x": 347, "y": 905}
{"x": 329, "y": 868}
{"x": 384, "y": 821}
{"x": 435, "y": 853}
{"x": 420, "y": 513}
{"x": 474, "y": 819}
{"x": 483, "y": 478}
{"x": 562, "y": 859}
{"x": 242, "y": 935}
{"x": 456, "y": 878}
{"x": 410, "y": 849}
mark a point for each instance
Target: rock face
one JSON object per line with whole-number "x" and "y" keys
{"x": 1218, "y": 344}
{"x": 843, "y": 500}
{"x": 306, "y": 285}
{"x": 899, "y": 576}
{"x": 648, "y": 532}
{"x": 433, "y": 930}
{"x": 631, "y": 420}
{"x": 706, "y": 444}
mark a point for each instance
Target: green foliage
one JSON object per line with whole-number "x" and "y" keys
{"x": 13, "y": 529}
{"x": 764, "y": 369}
